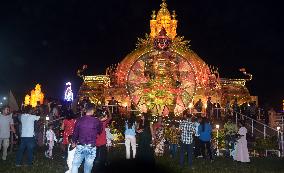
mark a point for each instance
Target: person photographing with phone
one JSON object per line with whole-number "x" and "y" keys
{"x": 105, "y": 116}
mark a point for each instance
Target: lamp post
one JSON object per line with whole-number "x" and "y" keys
{"x": 217, "y": 136}
{"x": 278, "y": 137}
{"x": 3, "y": 101}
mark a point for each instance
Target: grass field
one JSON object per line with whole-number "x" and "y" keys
{"x": 163, "y": 164}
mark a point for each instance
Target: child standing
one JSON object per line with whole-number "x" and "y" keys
{"x": 71, "y": 153}
{"x": 51, "y": 138}
{"x": 109, "y": 138}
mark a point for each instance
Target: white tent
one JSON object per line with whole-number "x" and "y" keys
{"x": 12, "y": 102}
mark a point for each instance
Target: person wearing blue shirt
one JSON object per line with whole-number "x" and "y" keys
{"x": 205, "y": 131}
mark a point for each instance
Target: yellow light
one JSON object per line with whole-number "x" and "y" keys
{"x": 35, "y": 97}
{"x": 163, "y": 19}
{"x": 124, "y": 104}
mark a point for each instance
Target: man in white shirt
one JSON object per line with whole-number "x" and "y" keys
{"x": 6, "y": 125}
{"x": 27, "y": 137}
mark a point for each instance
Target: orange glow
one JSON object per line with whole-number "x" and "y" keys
{"x": 35, "y": 97}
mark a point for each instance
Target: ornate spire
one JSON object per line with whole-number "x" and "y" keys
{"x": 164, "y": 4}
{"x": 174, "y": 15}
{"x": 163, "y": 12}
{"x": 165, "y": 20}
{"x": 153, "y": 15}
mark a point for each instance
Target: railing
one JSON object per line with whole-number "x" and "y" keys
{"x": 257, "y": 126}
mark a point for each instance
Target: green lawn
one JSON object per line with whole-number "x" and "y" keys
{"x": 220, "y": 165}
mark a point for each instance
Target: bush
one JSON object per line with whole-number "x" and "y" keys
{"x": 269, "y": 143}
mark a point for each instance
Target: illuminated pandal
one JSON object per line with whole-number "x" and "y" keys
{"x": 162, "y": 74}
{"x": 35, "y": 97}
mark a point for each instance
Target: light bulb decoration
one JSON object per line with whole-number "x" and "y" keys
{"x": 68, "y": 94}
{"x": 162, "y": 74}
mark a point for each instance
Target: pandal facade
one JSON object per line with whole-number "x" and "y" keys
{"x": 162, "y": 74}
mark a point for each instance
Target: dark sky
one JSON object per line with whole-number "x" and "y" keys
{"x": 47, "y": 41}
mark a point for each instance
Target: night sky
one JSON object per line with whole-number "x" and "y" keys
{"x": 47, "y": 41}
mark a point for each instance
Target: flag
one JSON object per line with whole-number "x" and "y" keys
{"x": 12, "y": 102}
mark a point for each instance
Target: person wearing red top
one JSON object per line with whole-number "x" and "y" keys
{"x": 105, "y": 117}
{"x": 68, "y": 128}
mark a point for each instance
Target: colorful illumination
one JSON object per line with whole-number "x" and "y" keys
{"x": 68, "y": 94}
{"x": 165, "y": 20}
{"x": 36, "y": 97}
{"x": 162, "y": 74}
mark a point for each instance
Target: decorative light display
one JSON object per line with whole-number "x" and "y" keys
{"x": 165, "y": 20}
{"x": 35, "y": 97}
{"x": 162, "y": 74}
{"x": 68, "y": 94}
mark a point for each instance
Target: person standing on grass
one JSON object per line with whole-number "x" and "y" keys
{"x": 105, "y": 117}
{"x": 196, "y": 140}
{"x": 51, "y": 139}
{"x": 70, "y": 155}
{"x": 145, "y": 153}
{"x": 6, "y": 125}
{"x": 159, "y": 137}
{"x": 242, "y": 154}
{"x": 130, "y": 136}
{"x": 68, "y": 128}
{"x": 27, "y": 137}
{"x": 205, "y": 131}
{"x": 173, "y": 138}
{"x": 84, "y": 138}
{"x": 109, "y": 138}
{"x": 187, "y": 131}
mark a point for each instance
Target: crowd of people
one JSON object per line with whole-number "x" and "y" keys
{"x": 86, "y": 137}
